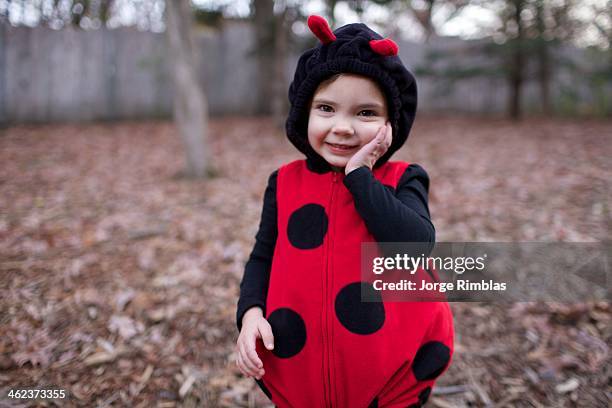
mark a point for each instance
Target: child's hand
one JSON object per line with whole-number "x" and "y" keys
{"x": 371, "y": 152}
{"x": 254, "y": 326}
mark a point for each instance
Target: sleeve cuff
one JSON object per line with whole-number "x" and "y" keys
{"x": 357, "y": 176}
{"x": 244, "y": 306}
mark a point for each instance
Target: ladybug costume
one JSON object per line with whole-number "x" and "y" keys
{"x": 331, "y": 348}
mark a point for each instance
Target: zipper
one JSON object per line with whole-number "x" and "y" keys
{"x": 329, "y": 308}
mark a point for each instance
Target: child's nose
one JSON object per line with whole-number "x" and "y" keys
{"x": 343, "y": 128}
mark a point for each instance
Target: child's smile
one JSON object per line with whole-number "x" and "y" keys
{"x": 342, "y": 148}
{"x": 344, "y": 116}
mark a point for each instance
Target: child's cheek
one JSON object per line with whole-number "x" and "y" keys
{"x": 316, "y": 131}
{"x": 369, "y": 134}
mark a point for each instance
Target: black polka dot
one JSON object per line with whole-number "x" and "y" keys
{"x": 307, "y": 226}
{"x": 360, "y": 317}
{"x": 264, "y": 389}
{"x": 374, "y": 403}
{"x": 430, "y": 360}
{"x": 289, "y": 332}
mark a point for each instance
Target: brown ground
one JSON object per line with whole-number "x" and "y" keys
{"x": 119, "y": 279}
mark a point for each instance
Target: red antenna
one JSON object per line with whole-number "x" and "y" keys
{"x": 386, "y": 47}
{"x": 319, "y": 27}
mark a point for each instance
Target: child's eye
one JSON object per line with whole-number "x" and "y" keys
{"x": 367, "y": 112}
{"x": 325, "y": 108}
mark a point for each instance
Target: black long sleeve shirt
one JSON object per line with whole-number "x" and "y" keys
{"x": 399, "y": 214}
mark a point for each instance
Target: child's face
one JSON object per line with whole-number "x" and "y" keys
{"x": 344, "y": 116}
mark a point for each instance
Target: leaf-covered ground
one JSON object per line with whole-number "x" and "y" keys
{"x": 119, "y": 277}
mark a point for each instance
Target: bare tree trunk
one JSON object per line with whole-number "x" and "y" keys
{"x": 264, "y": 47}
{"x": 544, "y": 79}
{"x": 424, "y": 18}
{"x": 279, "y": 105}
{"x": 190, "y": 105}
{"x": 331, "y": 7}
{"x": 543, "y": 60}
{"x": 516, "y": 83}
{"x": 516, "y": 65}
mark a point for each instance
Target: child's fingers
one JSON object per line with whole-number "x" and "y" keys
{"x": 265, "y": 330}
{"x": 252, "y": 358}
{"x": 371, "y": 147}
{"x": 247, "y": 369}
{"x": 385, "y": 140}
{"x": 370, "y": 152}
{"x": 380, "y": 136}
{"x": 388, "y": 135}
{"x": 248, "y": 361}
{"x": 381, "y": 141}
{"x": 241, "y": 365}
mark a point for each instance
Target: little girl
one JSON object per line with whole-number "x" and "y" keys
{"x": 352, "y": 106}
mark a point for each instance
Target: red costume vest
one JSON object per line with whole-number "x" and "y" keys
{"x": 331, "y": 349}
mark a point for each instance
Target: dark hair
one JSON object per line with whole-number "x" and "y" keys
{"x": 334, "y": 78}
{"x": 324, "y": 83}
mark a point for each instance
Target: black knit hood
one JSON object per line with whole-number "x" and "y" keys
{"x": 353, "y": 48}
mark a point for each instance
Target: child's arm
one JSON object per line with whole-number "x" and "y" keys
{"x": 254, "y": 285}
{"x": 400, "y": 216}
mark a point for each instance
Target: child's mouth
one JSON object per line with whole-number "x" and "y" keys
{"x": 338, "y": 148}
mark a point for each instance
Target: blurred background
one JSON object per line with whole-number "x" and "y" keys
{"x": 136, "y": 138}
